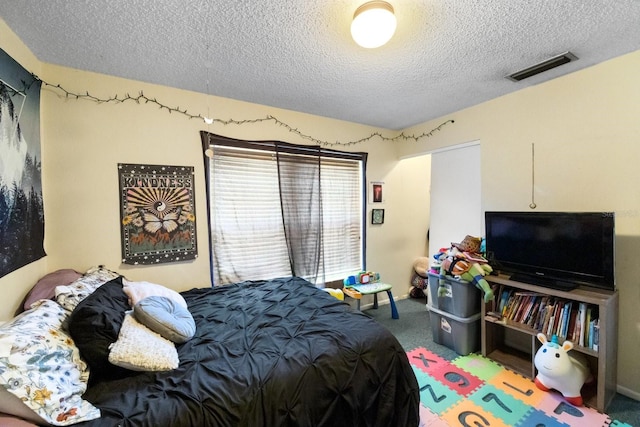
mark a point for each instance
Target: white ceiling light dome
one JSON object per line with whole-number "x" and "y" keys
{"x": 374, "y": 23}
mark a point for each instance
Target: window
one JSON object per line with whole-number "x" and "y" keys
{"x": 263, "y": 201}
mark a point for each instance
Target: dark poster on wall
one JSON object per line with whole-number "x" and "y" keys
{"x": 21, "y": 207}
{"x": 157, "y": 213}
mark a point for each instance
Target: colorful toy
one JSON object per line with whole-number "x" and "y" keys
{"x": 349, "y": 281}
{"x": 437, "y": 260}
{"x": 560, "y": 370}
{"x": 362, "y": 277}
{"x": 441, "y": 255}
{"x": 475, "y": 275}
{"x": 464, "y": 260}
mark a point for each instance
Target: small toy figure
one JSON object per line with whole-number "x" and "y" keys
{"x": 560, "y": 370}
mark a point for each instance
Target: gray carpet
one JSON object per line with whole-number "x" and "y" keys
{"x": 413, "y": 330}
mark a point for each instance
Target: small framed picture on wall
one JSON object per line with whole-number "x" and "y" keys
{"x": 376, "y": 193}
{"x": 377, "y": 216}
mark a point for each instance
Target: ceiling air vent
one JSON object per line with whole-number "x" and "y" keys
{"x": 543, "y": 66}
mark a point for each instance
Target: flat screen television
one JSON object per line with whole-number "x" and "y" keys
{"x": 560, "y": 250}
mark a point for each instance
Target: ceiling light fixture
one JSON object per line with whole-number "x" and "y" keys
{"x": 373, "y": 24}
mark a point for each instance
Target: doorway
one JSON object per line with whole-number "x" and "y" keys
{"x": 456, "y": 202}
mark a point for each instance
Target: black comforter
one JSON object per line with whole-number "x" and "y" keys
{"x": 270, "y": 353}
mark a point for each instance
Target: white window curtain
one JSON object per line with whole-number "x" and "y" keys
{"x": 279, "y": 209}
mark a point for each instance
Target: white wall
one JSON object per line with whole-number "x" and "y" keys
{"x": 456, "y": 208}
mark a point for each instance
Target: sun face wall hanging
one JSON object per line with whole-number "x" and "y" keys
{"x": 157, "y": 213}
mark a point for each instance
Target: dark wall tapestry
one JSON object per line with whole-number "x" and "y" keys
{"x": 157, "y": 213}
{"x": 21, "y": 208}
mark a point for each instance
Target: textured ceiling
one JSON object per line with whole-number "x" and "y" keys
{"x": 298, "y": 54}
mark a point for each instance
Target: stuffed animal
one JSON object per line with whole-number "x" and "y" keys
{"x": 464, "y": 261}
{"x": 421, "y": 266}
{"x": 471, "y": 272}
{"x": 419, "y": 278}
{"x": 560, "y": 370}
{"x": 438, "y": 259}
{"x": 475, "y": 275}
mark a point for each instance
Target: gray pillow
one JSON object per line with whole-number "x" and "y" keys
{"x": 165, "y": 317}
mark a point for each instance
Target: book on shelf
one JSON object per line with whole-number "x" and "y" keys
{"x": 534, "y": 320}
{"x": 563, "y": 317}
{"x": 571, "y": 329}
{"x": 565, "y": 321}
{"x": 552, "y": 319}
{"x": 514, "y": 307}
{"x": 594, "y": 330}
{"x": 522, "y": 305}
{"x": 530, "y": 307}
{"x": 580, "y": 322}
{"x": 548, "y": 311}
{"x": 504, "y": 297}
{"x": 511, "y": 305}
{"x": 497, "y": 294}
{"x": 557, "y": 318}
{"x": 596, "y": 335}
{"x": 568, "y": 319}
{"x": 587, "y": 328}
{"x": 542, "y": 313}
{"x": 533, "y": 314}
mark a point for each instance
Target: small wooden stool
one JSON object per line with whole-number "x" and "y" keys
{"x": 356, "y": 292}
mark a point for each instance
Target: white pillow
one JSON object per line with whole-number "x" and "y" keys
{"x": 41, "y": 366}
{"x": 140, "y": 349}
{"x": 137, "y": 291}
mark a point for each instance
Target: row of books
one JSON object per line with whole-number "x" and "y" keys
{"x": 569, "y": 320}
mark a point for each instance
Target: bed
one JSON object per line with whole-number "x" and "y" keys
{"x": 264, "y": 353}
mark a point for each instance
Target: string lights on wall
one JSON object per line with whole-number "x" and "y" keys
{"x": 141, "y": 98}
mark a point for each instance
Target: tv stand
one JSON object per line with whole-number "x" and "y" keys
{"x": 513, "y": 343}
{"x": 545, "y": 282}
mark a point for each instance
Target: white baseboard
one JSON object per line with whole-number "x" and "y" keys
{"x": 629, "y": 393}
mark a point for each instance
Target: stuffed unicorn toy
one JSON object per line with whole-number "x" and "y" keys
{"x": 560, "y": 370}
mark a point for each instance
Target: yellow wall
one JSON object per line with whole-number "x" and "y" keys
{"x": 11, "y": 285}
{"x": 83, "y": 141}
{"x": 586, "y": 131}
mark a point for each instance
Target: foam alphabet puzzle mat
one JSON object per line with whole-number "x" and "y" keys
{"x": 475, "y": 391}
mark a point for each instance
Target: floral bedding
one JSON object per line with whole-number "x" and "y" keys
{"x": 40, "y": 365}
{"x": 42, "y": 373}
